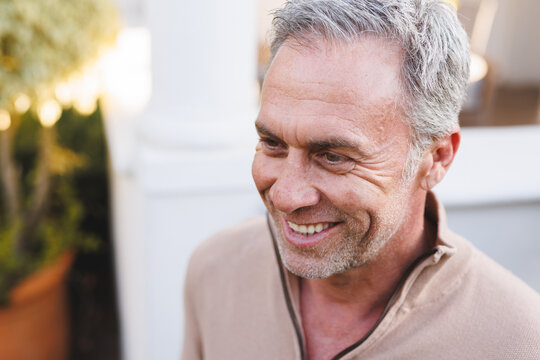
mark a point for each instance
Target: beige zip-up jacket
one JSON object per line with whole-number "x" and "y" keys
{"x": 454, "y": 303}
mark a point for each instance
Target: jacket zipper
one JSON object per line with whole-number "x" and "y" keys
{"x": 295, "y": 322}
{"x": 288, "y": 301}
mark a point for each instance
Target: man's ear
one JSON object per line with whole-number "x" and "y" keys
{"x": 439, "y": 159}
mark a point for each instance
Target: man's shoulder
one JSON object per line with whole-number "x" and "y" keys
{"x": 506, "y": 309}
{"x": 497, "y": 301}
{"x": 232, "y": 250}
{"x": 487, "y": 277}
{"x": 502, "y": 287}
{"x": 249, "y": 235}
{"x": 472, "y": 299}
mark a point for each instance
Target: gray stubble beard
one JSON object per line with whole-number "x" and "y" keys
{"x": 355, "y": 250}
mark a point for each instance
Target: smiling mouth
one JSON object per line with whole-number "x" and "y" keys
{"x": 310, "y": 229}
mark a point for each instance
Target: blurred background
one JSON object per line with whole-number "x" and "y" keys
{"x": 126, "y": 138}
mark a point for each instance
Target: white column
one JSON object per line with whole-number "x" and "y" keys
{"x": 181, "y": 169}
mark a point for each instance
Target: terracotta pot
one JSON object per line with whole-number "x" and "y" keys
{"x": 35, "y": 325}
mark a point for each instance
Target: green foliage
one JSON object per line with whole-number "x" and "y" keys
{"x": 45, "y": 41}
{"x": 79, "y": 153}
{"x": 43, "y": 211}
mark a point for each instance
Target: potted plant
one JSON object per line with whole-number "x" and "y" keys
{"x": 45, "y": 46}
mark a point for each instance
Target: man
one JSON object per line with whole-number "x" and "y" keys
{"x": 358, "y": 122}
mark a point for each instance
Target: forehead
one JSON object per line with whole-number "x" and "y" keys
{"x": 365, "y": 69}
{"x": 349, "y": 87}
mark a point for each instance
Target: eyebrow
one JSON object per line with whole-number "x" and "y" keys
{"x": 318, "y": 144}
{"x": 263, "y": 130}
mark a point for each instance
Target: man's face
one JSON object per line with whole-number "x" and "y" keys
{"x": 332, "y": 149}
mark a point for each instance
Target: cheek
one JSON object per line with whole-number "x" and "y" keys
{"x": 349, "y": 194}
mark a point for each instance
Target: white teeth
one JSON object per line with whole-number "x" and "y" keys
{"x": 309, "y": 229}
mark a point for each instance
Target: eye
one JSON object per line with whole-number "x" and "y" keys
{"x": 269, "y": 142}
{"x": 333, "y": 158}
{"x": 272, "y": 147}
{"x": 334, "y": 162}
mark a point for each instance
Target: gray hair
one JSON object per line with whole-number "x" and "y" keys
{"x": 435, "y": 67}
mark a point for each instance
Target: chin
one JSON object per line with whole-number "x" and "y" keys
{"x": 320, "y": 262}
{"x": 307, "y": 268}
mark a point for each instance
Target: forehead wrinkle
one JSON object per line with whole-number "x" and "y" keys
{"x": 362, "y": 112}
{"x": 337, "y": 94}
{"x": 388, "y": 107}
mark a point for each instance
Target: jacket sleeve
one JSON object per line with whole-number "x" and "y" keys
{"x": 192, "y": 346}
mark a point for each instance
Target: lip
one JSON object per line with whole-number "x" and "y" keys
{"x": 305, "y": 241}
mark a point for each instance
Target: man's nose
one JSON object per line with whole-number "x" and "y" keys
{"x": 292, "y": 189}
